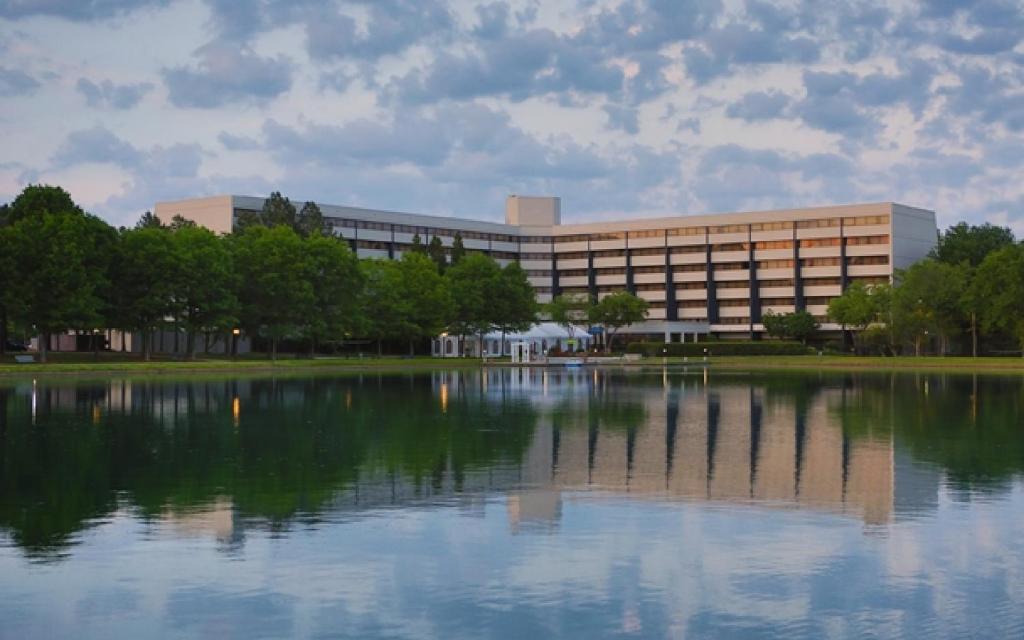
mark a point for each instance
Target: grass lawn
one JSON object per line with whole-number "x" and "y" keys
{"x": 84, "y": 363}
{"x": 945, "y": 363}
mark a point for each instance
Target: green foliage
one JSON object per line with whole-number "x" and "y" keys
{"x": 458, "y": 248}
{"x": 964, "y": 243}
{"x": 569, "y": 310}
{"x": 615, "y": 311}
{"x": 37, "y": 199}
{"x": 417, "y": 245}
{"x": 337, "y": 282}
{"x": 474, "y": 284}
{"x": 426, "y": 300}
{"x": 855, "y": 308}
{"x": 145, "y": 271}
{"x": 999, "y": 291}
{"x": 275, "y": 295}
{"x": 149, "y": 220}
{"x": 799, "y": 325}
{"x": 514, "y": 306}
{"x": 928, "y": 301}
{"x": 719, "y": 348}
{"x": 206, "y": 282}
{"x": 436, "y": 252}
{"x": 310, "y": 221}
{"x": 383, "y": 306}
{"x": 278, "y": 211}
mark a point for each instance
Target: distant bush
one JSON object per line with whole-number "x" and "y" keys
{"x": 720, "y": 348}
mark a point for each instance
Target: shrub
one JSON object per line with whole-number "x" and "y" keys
{"x": 723, "y": 348}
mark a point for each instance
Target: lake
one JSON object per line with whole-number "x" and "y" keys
{"x": 514, "y": 503}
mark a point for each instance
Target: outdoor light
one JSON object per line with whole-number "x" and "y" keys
{"x": 236, "y": 331}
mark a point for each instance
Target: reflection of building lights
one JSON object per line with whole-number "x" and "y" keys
{"x": 95, "y": 414}
{"x": 444, "y": 397}
{"x": 544, "y": 382}
{"x": 34, "y": 397}
{"x": 236, "y": 410}
{"x": 705, "y": 375}
{"x": 348, "y": 398}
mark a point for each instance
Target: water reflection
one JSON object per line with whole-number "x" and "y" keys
{"x": 210, "y": 455}
{"x": 650, "y": 503}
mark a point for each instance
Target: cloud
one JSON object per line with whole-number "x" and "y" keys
{"x": 237, "y": 143}
{"x": 78, "y": 10}
{"x": 227, "y": 74}
{"x": 14, "y": 82}
{"x": 106, "y": 94}
{"x": 392, "y": 27}
{"x": 623, "y": 118}
{"x": 758, "y": 105}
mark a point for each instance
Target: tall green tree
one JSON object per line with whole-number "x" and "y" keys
{"x": 145, "y": 270}
{"x": 37, "y": 199}
{"x": 417, "y": 245}
{"x": 515, "y": 305}
{"x": 569, "y": 310}
{"x": 854, "y": 309}
{"x": 436, "y": 252}
{"x": 149, "y": 220}
{"x": 278, "y": 211}
{"x": 616, "y": 311}
{"x": 310, "y": 221}
{"x": 426, "y": 296}
{"x": 474, "y": 284}
{"x": 964, "y": 243}
{"x": 384, "y": 315}
{"x": 204, "y": 289}
{"x": 59, "y": 279}
{"x": 275, "y": 296}
{"x": 927, "y": 301}
{"x": 337, "y": 282}
{"x": 458, "y": 248}
{"x": 999, "y": 291}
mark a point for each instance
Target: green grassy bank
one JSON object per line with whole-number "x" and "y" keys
{"x": 115, "y": 363}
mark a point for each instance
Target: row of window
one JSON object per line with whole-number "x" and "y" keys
{"x": 611, "y": 235}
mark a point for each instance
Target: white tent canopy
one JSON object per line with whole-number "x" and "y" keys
{"x": 540, "y": 337}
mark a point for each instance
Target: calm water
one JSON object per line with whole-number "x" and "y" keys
{"x": 525, "y": 503}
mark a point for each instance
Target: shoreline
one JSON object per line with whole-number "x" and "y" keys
{"x": 1007, "y": 365}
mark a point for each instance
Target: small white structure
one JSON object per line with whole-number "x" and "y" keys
{"x": 532, "y": 344}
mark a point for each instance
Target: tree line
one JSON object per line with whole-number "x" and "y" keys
{"x": 965, "y": 297}
{"x": 281, "y": 275}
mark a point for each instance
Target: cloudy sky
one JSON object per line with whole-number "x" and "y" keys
{"x": 622, "y": 107}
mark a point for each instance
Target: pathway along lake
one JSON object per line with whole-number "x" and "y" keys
{"x": 523, "y": 503}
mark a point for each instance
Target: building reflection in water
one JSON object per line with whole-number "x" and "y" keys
{"x": 670, "y": 434}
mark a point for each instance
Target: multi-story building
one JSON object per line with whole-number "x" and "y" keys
{"x": 709, "y": 274}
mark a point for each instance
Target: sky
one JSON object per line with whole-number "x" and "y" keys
{"x": 624, "y": 108}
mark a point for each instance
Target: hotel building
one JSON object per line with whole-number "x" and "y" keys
{"x": 709, "y": 274}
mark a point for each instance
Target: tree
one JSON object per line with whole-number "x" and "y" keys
{"x": 928, "y": 301}
{"x": 799, "y": 325}
{"x": 384, "y": 314}
{"x": 275, "y": 296}
{"x": 435, "y": 251}
{"x": 179, "y": 222}
{"x": 204, "y": 291}
{"x": 615, "y": 311}
{"x": 964, "y": 243}
{"x": 37, "y": 199}
{"x": 999, "y": 291}
{"x": 310, "y": 221}
{"x": 145, "y": 269}
{"x": 458, "y": 251}
{"x": 417, "y": 245}
{"x": 569, "y": 310}
{"x": 854, "y": 308}
{"x": 474, "y": 285}
{"x": 278, "y": 211}
{"x": 427, "y": 301}
{"x": 60, "y": 263}
{"x": 515, "y": 302}
{"x": 149, "y": 221}
{"x": 334, "y": 271}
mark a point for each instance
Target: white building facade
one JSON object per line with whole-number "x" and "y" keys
{"x": 709, "y": 274}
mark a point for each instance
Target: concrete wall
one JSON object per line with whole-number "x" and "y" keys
{"x": 214, "y": 213}
{"x": 914, "y": 234}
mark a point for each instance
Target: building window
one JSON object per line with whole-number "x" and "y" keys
{"x": 608, "y": 235}
{"x": 732, "y": 284}
{"x": 731, "y": 246}
{"x": 771, "y": 226}
{"x": 818, "y": 223}
{"x": 649, "y": 233}
{"x": 865, "y": 260}
{"x": 810, "y": 243}
{"x": 650, "y": 251}
{"x": 579, "y": 237}
{"x": 821, "y": 282}
{"x": 689, "y": 268}
{"x": 572, "y": 255}
{"x": 855, "y": 240}
{"x": 660, "y": 270}
{"x": 782, "y": 282}
{"x": 729, "y": 228}
{"x": 687, "y": 231}
{"x": 774, "y": 264}
{"x": 863, "y": 221}
{"x": 689, "y": 248}
{"x": 773, "y": 244}
{"x": 819, "y": 262}
{"x": 730, "y": 266}
{"x": 610, "y": 253}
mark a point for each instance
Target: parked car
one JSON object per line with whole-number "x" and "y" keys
{"x": 16, "y": 345}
